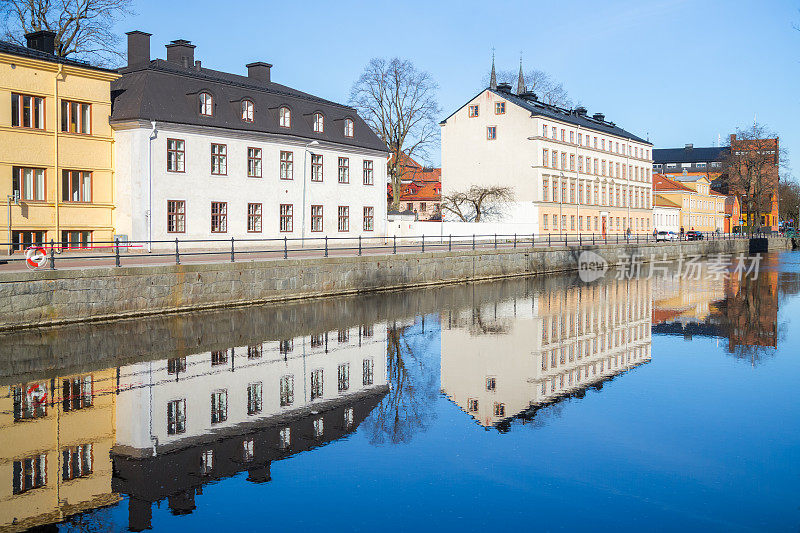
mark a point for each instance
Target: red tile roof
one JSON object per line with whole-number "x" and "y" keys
{"x": 663, "y": 183}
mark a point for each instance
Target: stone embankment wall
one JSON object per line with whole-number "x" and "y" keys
{"x": 31, "y": 299}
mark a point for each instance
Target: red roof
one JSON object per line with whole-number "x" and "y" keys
{"x": 663, "y": 183}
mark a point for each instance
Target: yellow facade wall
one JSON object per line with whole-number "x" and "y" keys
{"x": 54, "y": 150}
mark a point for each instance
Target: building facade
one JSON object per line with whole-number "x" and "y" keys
{"x": 421, "y": 192}
{"x": 701, "y": 208}
{"x": 56, "y": 147}
{"x": 570, "y": 172}
{"x": 666, "y": 214}
{"x": 204, "y": 154}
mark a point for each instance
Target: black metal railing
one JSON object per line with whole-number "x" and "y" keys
{"x": 178, "y": 251}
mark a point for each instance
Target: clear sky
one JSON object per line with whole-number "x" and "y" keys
{"x": 678, "y": 71}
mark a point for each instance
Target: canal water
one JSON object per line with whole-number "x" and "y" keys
{"x": 643, "y": 400}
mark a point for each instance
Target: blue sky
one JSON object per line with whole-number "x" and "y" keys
{"x": 679, "y": 71}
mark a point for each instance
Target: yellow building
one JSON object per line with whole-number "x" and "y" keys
{"x": 701, "y": 208}
{"x": 57, "y": 434}
{"x": 55, "y": 146}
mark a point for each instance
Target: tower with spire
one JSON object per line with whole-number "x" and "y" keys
{"x": 521, "y": 81}
{"x": 493, "y": 77}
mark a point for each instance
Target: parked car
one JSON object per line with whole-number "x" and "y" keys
{"x": 694, "y": 235}
{"x": 666, "y": 236}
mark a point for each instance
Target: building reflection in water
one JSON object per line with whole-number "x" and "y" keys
{"x": 510, "y": 359}
{"x": 162, "y": 429}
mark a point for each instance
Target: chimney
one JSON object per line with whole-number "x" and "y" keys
{"x": 42, "y": 40}
{"x": 138, "y": 48}
{"x": 198, "y": 66}
{"x": 181, "y": 51}
{"x": 688, "y": 146}
{"x": 580, "y": 111}
{"x": 259, "y": 72}
{"x": 599, "y": 117}
{"x": 733, "y": 138}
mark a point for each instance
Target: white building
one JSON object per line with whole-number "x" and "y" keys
{"x": 203, "y": 154}
{"x": 570, "y": 172}
{"x": 666, "y": 215}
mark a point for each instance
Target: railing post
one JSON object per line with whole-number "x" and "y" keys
{"x": 423, "y": 243}
{"x": 565, "y": 238}
{"x": 450, "y": 243}
{"x": 394, "y": 244}
{"x": 232, "y": 256}
{"x": 177, "y": 253}
{"x": 326, "y": 246}
{"x": 473, "y": 241}
{"x": 495, "y": 241}
{"x": 533, "y": 240}
{"x": 592, "y": 239}
{"x": 52, "y": 254}
{"x": 580, "y": 239}
{"x": 359, "y": 245}
{"x": 515, "y": 240}
{"x": 116, "y": 251}
{"x": 548, "y": 240}
{"x": 285, "y": 247}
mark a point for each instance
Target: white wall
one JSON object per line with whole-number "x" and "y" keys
{"x": 439, "y": 231}
{"x": 666, "y": 218}
{"x": 198, "y": 187}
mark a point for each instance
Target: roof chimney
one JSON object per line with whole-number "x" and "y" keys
{"x": 599, "y": 117}
{"x": 181, "y": 51}
{"x": 259, "y": 71}
{"x": 42, "y": 40}
{"x": 138, "y": 48}
{"x": 580, "y": 111}
{"x": 504, "y": 87}
{"x": 688, "y": 146}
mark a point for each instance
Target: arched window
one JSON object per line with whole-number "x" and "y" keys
{"x": 319, "y": 123}
{"x": 247, "y": 110}
{"x": 206, "y": 104}
{"x": 348, "y": 127}
{"x": 285, "y": 117}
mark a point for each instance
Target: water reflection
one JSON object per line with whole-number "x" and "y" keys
{"x": 142, "y": 413}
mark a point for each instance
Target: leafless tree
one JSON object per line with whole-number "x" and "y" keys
{"x": 84, "y": 28}
{"x": 751, "y": 171}
{"x": 789, "y": 200}
{"x": 399, "y": 103}
{"x": 546, "y": 88}
{"x": 478, "y": 202}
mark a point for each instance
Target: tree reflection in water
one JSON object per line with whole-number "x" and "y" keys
{"x": 413, "y": 384}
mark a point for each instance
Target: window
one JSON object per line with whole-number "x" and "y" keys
{"x": 77, "y": 393}
{"x": 344, "y": 377}
{"x": 76, "y": 239}
{"x": 316, "y": 384}
{"x": 316, "y": 167}
{"x": 254, "y": 162}
{"x": 206, "y": 104}
{"x": 77, "y": 462}
{"x": 544, "y": 221}
{"x": 701, "y": 165}
{"x": 247, "y": 111}
{"x": 343, "y": 336}
{"x": 367, "y": 331}
{"x": 30, "y": 401}
{"x": 285, "y": 438}
{"x": 473, "y": 111}
{"x": 344, "y": 218}
{"x": 491, "y": 384}
{"x": 500, "y": 108}
{"x": 176, "y": 155}
{"x": 317, "y": 340}
{"x": 76, "y": 186}
{"x": 219, "y": 217}
{"x": 499, "y": 409}
{"x": 254, "y": 218}
{"x": 207, "y": 462}
{"x": 27, "y": 111}
{"x": 369, "y": 218}
{"x": 563, "y": 135}
{"x": 572, "y": 161}
{"x": 319, "y": 428}
{"x": 254, "y": 398}
{"x": 367, "y": 372}
{"x": 287, "y": 390}
{"x": 544, "y": 130}
{"x": 76, "y": 117}
{"x": 545, "y": 190}
{"x": 285, "y": 117}
{"x": 316, "y": 218}
{"x": 176, "y": 365}
{"x": 23, "y": 239}
{"x": 30, "y": 473}
{"x": 319, "y": 123}
{"x": 219, "y": 159}
{"x": 286, "y": 165}
{"x": 286, "y": 218}
{"x": 219, "y": 406}
{"x": 348, "y": 417}
{"x": 219, "y": 357}
{"x": 285, "y": 346}
{"x": 344, "y": 170}
{"x": 248, "y": 450}
{"x": 491, "y": 133}
{"x": 29, "y": 183}
{"x": 348, "y": 127}
{"x": 176, "y": 216}
{"x": 472, "y": 405}
{"x": 255, "y": 351}
{"x": 369, "y": 177}
{"x": 545, "y": 153}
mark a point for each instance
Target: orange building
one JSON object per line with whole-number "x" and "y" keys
{"x": 421, "y": 191}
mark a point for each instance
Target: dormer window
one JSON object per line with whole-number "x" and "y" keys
{"x": 348, "y": 127}
{"x": 206, "y": 104}
{"x": 319, "y": 123}
{"x": 285, "y": 117}
{"x": 247, "y": 111}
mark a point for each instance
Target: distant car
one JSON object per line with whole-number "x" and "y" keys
{"x": 666, "y": 236}
{"x": 694, "y": 235}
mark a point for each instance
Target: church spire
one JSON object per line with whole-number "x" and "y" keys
{"x": 521, "y": 81}
{"x": 493, "y": 77}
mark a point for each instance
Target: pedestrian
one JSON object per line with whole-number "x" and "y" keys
{"x": 655, "y": 234}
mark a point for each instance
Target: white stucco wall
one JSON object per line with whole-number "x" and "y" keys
{"x": 666, "y": 218}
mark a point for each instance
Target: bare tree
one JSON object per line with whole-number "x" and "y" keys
{"x": 789, "y": 200}
{"x": 399, "y": 103}
{"x": 479, "y": 202}
{"x": 751, "y": 171}
{"x": 84, "y": 28}
{"x": 540, "y": 82}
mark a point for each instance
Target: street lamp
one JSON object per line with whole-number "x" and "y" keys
{"x": 303, "y": 216}
{"x": 15, "y": 199}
